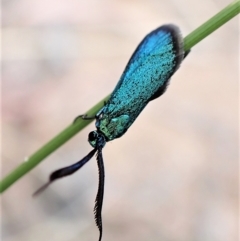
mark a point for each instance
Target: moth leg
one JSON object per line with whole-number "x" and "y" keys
{"x": 83, "y": 117}
{"x": 186, "y": 53}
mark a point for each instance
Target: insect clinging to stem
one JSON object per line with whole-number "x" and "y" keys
{"x": 144, "y": 79}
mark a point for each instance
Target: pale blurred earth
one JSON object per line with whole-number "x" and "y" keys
{"x": 172, "y": 177}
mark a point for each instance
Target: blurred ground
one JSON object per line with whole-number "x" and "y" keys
{"x": 172, "y": 177}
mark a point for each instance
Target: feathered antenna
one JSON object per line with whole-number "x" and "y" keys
{"x": 63, "y": 172}
{"x": 100, "y": 193}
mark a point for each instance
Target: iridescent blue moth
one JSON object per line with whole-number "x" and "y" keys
{"x": 145, "y": 78}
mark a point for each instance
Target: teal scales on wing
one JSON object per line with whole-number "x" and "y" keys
{"x": 145, "y": 78}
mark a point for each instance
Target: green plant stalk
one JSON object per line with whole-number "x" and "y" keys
{"x": 212, "y": 24}
{"x": 189, "y": 41}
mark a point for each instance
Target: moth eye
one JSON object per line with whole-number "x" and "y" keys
{"x": 92, "y": 136}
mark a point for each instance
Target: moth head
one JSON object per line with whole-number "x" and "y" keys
{"x": 96, "y": 139}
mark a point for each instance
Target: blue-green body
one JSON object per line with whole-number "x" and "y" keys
{"x": 145, "y": 78}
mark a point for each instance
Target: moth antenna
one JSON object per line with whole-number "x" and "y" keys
{"x": 100, "y": 193}
{"x": 66, "y": 171}
{"x": 41, "y": 189}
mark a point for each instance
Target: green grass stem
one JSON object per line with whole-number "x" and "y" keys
{"x": 189, "y": 41}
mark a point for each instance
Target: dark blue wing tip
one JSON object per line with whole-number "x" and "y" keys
{"x": 177, "y": 41}
{"x": 177, "y": 37}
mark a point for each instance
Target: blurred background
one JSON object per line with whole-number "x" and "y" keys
{"x": 172, "y": 177}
